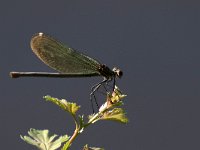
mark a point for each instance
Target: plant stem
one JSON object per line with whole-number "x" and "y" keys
{"x": 75, "y": 134}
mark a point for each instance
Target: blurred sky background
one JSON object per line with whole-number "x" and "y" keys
{"x": 155, "y": 43}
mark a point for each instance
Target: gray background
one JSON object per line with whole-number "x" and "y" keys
{"x": 155, "y": 43}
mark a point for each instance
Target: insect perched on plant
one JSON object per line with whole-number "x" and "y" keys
{"x": 68, "y": 62}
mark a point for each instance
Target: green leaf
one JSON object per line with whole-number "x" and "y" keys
{"x": 42, "y": 140}
{"x": 91, "y": 148}
{"x": 116, "y": 114}
{"x": 67, "y": 106}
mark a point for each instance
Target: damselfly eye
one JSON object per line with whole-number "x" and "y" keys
{"x": 117, "y": 72}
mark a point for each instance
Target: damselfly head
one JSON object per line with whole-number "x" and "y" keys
{"x": 117, "y": 72}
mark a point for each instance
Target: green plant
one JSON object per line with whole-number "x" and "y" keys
{"x": 110, "y": 110}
